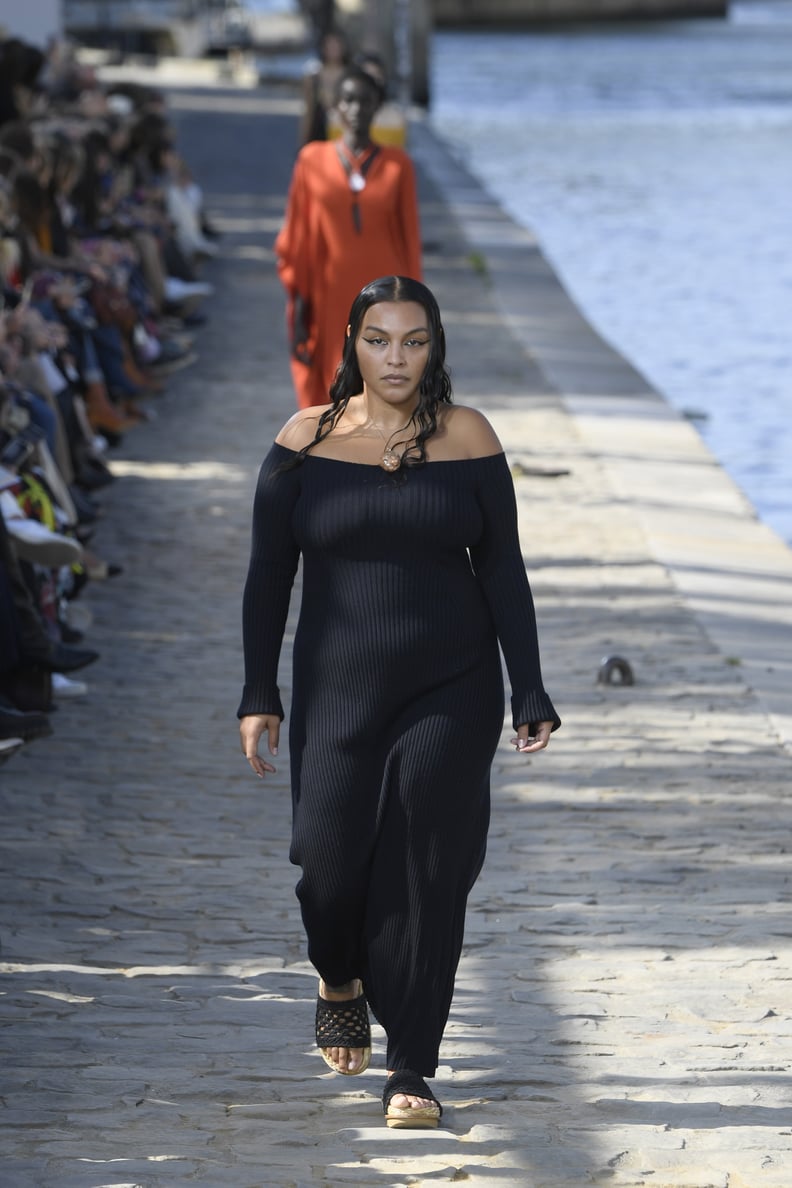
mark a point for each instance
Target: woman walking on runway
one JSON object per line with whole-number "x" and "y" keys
{"x": 402, "y": 507}
{"x": 352, "y": 215}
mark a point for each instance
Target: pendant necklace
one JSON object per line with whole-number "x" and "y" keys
{"x": 390, "y": 460}
{"x": 356, "y": 175}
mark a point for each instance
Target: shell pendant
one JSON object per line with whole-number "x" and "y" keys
{"x": 390, "y": 460}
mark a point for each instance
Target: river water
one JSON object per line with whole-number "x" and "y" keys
{"x": 654, "y": 163}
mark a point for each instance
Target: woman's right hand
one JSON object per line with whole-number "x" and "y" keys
{"x": 251, "y": 728}
{"x": 300, "y": 330}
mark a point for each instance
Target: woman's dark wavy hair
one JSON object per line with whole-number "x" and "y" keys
{"x": 434, "y": 388}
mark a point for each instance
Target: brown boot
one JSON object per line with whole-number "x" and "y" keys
{"x": 102, "y": 413}
{"x": 138, "y": 376}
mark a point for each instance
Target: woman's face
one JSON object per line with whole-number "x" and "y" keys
{"x": 333, "y": 50}
{"x": 356, "y": 106}
{"x": 392, "y": 348}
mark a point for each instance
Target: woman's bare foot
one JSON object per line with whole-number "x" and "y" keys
{"x": 408, "y": 1102}
{"x": 404, "y": 1101}
{"x": 346, "y": 1060}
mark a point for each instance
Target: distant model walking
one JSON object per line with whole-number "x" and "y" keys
{"x": 352, "y": 215}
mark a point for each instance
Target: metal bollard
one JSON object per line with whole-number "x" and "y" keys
{"x": 615, "y": 670}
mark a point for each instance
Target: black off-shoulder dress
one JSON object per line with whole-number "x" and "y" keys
{"x": 409, "y": 583}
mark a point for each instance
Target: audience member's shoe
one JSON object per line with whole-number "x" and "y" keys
{"x": 70, "y": 635}
{"x": 93, "y": 475}
{"x": 141, "y": 412}
{"x": 65, "y": 657}
{"x": 209, "y": 230}
{"x": 205, "y": 247}
{"x": 78, "y": 616}
{"x": 177, "y": 325}
{"x": 177, "y": 290}
{"x": 27, "y": 725}
{"x": 124, "y": 402}
{"x": 195, "y": 318}
{"x": 183, "y": 309}
{"x": 9, "y": 747}
{"x": 104, "y": 417}
{"x": 178, "y": 342}
{"x": 63, "y": 686}
{"x": 166, "y": 325}
{"x": 99, "y": 570}
{"x": 33, "y": 541}
{"x": 168, "y": 366}
{"x": 140, "y": 378}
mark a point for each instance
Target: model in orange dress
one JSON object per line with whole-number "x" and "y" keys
{"x": 352, "y": 216}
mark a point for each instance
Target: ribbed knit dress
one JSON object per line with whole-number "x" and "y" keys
{"x": 409, "y": 582}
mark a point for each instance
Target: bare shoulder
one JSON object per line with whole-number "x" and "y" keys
{"x": 300, "y": 430}
{"x": 468, "y": 433}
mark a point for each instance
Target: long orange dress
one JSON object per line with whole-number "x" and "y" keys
{"x": 334, "y": 241}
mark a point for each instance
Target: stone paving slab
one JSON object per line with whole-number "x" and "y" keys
{"x": 622, "y": 1014}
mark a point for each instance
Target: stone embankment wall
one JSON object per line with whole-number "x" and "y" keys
{"x": 491, "y": 12}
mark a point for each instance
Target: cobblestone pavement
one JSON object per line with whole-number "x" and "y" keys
{"x": 622, "y": 1014}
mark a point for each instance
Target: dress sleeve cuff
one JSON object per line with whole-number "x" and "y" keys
{"x": 534, "y": 707}
{"x": 255, "y": 702}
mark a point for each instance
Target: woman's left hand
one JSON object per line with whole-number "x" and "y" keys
{"x": 525, "y": 742}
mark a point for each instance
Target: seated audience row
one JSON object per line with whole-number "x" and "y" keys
{"x": 102, "y": 235}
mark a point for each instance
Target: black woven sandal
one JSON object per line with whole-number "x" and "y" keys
{"x": 410, "y": 1083}
{"x": 343, "y": 1025}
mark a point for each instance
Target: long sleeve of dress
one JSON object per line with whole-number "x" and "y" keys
{"x": 273, "y": 564}
{"x": 498, "y": 565}
{"x": 291, "y": 242}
